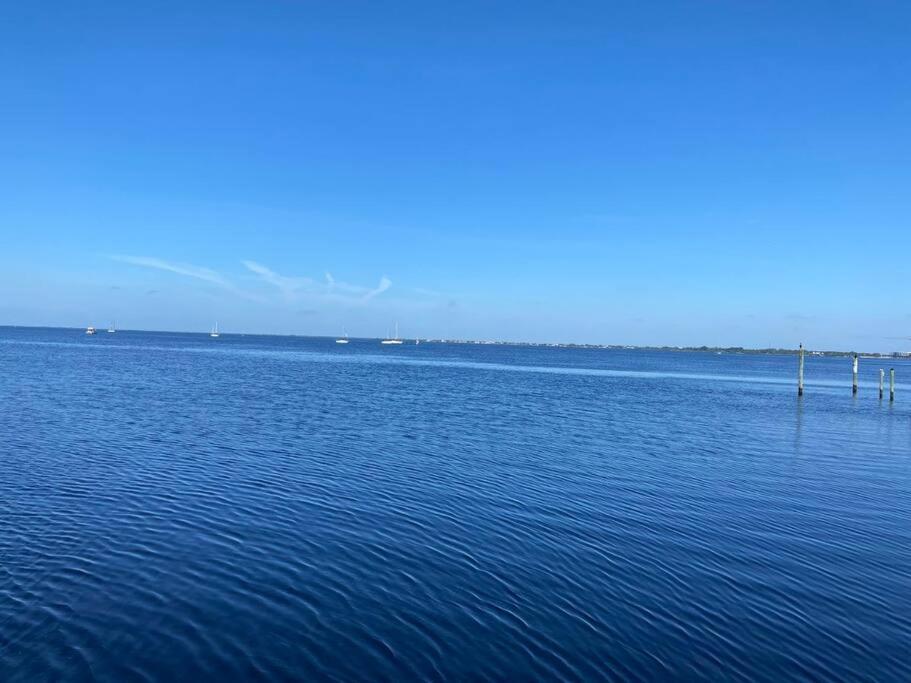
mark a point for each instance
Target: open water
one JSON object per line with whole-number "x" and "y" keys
{"x": 175, "y": 507}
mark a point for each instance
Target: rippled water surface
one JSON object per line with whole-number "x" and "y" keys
{"x": 174, "y": 507}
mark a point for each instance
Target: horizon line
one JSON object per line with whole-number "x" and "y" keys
{"x": 702, "y": 348}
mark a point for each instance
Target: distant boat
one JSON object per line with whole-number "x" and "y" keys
{"x": 342, "y": 340}
{"x": 214, "y": 332}
{"x": 90, "y": 330}
{"x": 112, "y": 329}
{"x": 395, "y": 339}
{"x": 417, "y": 341}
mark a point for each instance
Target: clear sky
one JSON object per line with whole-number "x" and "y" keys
{"x": 614, "y": 172}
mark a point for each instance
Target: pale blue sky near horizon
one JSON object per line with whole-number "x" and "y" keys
{"x": 630, "y": 173}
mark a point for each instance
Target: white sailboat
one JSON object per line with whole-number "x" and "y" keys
{"x": 112, "y": 329}
{"x": 395, "y": 339}
{"x": 342, "y": 340}
{"x": 214, "y": 332}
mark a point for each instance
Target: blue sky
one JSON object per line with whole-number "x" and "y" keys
{"x": 654, "y": 173}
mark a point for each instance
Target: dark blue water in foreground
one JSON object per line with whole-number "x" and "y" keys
{"x": 174, "y": 507}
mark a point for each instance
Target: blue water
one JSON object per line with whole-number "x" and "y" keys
{"x": 174, "y": 507}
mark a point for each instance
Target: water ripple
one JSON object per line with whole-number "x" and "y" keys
{"x": 278, "y": 509}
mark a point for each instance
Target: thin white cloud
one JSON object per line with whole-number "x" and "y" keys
{"x": 385, "y": 283}
{"x": 180, "y": 268}
{"x": 288, "y": 285}
{"x": 185, "y": 269}
{"x": 292, "y": 288}
{"x": 330, "y": 290}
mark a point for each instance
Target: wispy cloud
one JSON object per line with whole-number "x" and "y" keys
{"x": 291, "y": 288}
{"x": 358, "y": 292}
{"x": 385, "y": 283}
{"x": 288, "y": 285}
{"x": 185, "y": 269}
{"x": 330, "y": 290}
{"x": 198, "y": 272}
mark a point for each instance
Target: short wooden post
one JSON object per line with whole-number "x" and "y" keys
{"x": 854, "y": 379}
{"x": 882, "y": 374}
{"x": 891, "y": 384}
{"x": 800, "y": 373}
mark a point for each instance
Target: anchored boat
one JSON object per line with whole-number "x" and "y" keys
{"x": 395, "y": 339}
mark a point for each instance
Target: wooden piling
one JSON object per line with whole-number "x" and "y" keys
{"x": 882, "y": 374}
{"x": 891, "y": 384}
{"x": 854, "y": 376}
{"x": 800, "y": 373}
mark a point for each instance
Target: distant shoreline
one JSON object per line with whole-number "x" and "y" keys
{"x": 689, "y": 349}
{"x": 721, "y": 350}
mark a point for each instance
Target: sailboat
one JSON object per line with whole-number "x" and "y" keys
{"x": 395, "y": 339}
{"x": 214, "y": 332}
{"x": 342, "y": 340}
{"x": 112, "y": 329}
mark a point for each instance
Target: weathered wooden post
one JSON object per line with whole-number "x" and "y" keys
{"x": 800, "y": 373}
{"x": 854, "y": 376}
{"x": 891, "y": 384}
{"x": 882, "y": 374}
